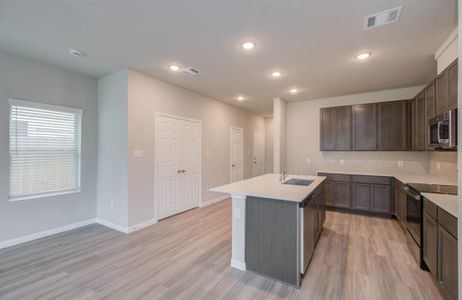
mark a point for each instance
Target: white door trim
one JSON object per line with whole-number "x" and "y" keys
{"x": 231, "y": 152}
{"x": 199, "y": 122}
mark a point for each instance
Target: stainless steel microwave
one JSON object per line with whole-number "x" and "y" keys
{"x": 442, "y": 131}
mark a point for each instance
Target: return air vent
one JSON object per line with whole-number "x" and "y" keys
{"x": 191, "y": 71}
{"x": 382, "y": 18}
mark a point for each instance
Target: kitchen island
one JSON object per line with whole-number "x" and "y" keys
{"x": 275, "y": 225}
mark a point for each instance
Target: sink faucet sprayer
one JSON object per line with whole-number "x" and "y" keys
{"x": 283, "y": 176}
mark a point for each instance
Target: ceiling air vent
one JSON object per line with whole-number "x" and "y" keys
{"x": 382, "y": 18}
{"x": 191, "y": 72}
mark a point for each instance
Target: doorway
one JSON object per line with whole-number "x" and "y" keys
{"x": 177, "y": 164}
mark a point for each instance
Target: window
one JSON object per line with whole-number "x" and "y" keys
{"x": 45, "y": 150}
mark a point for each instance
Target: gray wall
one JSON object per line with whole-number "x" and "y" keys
{"x": 23, "y": 79}
{"x": 147, "y": 96}
{"x": 112, "y": 194}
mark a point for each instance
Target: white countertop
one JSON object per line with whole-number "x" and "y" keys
{"x": 268, "y": 186}
{"x": 446, "y": 202}
{"x": 404, "y": 178}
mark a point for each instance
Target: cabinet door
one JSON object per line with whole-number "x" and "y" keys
{"x": 420, "y": 124}
{"x": 342, "y": 194}
{"x": 442, "y": 93}
{"x": 391, "y": 125}
{"x": 430, "y": 243}
{"x": 452, "y": 81}
{"x": 343, "y": 129}
{"x": 430, "y": 93}
{"x": 398, "y": 205}
{"x": 364, "y": 127}
{"x": 381, "y": 199}
{"x": 447, "y": 262}
{"x": 328, "y": 128}
{"x": 361, "y": 196}
{"x": 329, "y": 193}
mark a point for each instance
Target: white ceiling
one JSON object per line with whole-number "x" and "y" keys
{"x": 313, "y": 42}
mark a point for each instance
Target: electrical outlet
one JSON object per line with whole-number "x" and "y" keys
{"x": 438, "y": 166}
{"x": 111, "y": 205}
{"x": 342, "y": 161}
{"x": 207, "y": 152}
{"x": 400, "y": 163}
{"x": 308, "y": 160}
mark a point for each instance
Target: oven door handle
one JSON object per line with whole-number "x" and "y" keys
{"x": 410, "y": 193}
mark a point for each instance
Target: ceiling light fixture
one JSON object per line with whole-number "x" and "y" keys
{"x": 174, "y": 68}
{"x": 76, "y": 52}
{"x": 294, "y": 90}
{"x": 240, "y": 98}
{"x": 248, "y": 45}
{"x": 276, "y": 74}
{"x": 363, "y": 56}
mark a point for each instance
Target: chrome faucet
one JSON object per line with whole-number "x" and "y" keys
{"x": 283, "y": 176}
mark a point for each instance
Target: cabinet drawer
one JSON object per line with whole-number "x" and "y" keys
{"x": 336, "y": 177}
{"x": 430, "y": 208}
{"x": 447, "y": 221}
{"x": 371, "y": 179}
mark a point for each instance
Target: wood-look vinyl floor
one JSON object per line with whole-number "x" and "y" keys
{"x": 188, "y": 256}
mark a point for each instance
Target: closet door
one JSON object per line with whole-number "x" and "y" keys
{"x": 178, "y": 165}
{"x": 192, "y": 164}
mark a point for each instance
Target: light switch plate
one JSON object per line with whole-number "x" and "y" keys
{"x": 237, "y": 213}
{"x": 138, "y": 153}
{"x": 207, "y": 152}
{"x": 308, "y": 160}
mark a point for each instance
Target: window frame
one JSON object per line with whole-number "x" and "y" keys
{"x": 32, "y": 104}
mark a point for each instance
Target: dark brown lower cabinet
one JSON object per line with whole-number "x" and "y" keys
{"x": 362, "y": 193}
{"x": 400, "y": 203}
{"x": 337, "y": 193}
{"x": 447, "y": 262}
{"x": 430, "y": 243}
{"x": 359, "y": 193}
{"x": 440, "y": 247}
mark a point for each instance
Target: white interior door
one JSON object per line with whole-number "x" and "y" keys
{"x": 258, "y": 159}
{"x": 237, "y": 156}
{"x": 178, "y": 165}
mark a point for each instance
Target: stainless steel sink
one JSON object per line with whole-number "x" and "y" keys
{"x": 296, "y": 181}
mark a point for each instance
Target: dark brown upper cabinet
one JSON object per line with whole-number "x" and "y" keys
{"x": 391, "y": 125}
{"x": 430, "y": 112}
{"x": 336, "y": 128}
{"x": 419, "y": 123}
{"x": 452, "y": 85}
{"x": 364, "y": 126}
{"x": 442, "y": 93}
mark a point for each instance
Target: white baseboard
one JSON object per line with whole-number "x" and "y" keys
{"x": 238, "y": 264}
{"x": 112, "y": 225}
{"x": 45, "y": 233}
{"x": 214, "y": 200}
{"x": 100, "y": 221}
{"x": 141, "y": 225}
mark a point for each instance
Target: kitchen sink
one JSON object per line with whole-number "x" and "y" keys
{"x": 296, "y": 181}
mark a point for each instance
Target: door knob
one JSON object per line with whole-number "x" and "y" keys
{"x": 183, "y": 171}
{"x": 179, "y": 171}
{"x": 233, "y": 166}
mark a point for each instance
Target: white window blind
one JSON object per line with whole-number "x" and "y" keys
{"x": 45, "y": 149}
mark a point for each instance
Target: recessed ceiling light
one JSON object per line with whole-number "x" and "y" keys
{"x": 363, "y": 56}
{"x": 76, "y": 52}
{"x": 276, "y": 74}
{"x": 174, "y": 68}
{"x": 294, "y": 90}
{"x": 248, "y": 45}
{"x": 240, "y": 98}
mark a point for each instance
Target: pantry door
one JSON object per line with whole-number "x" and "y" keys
{"x": 237, "y": 156}
{"x": 258, "y": 160}
{"x": 178, "y": 165}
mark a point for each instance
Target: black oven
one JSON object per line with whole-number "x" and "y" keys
{"x": 413, "y": 214}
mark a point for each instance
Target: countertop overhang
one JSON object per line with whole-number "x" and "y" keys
{"x": 269, "y": 186}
